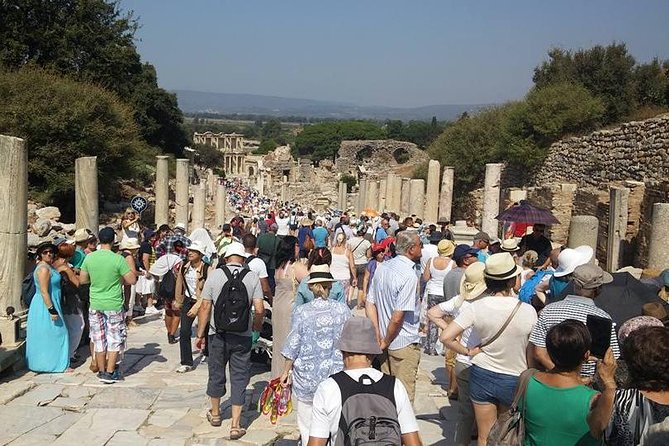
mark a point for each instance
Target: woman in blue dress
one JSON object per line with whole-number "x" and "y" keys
{"x": 47, "y": 345}
{"x": 311, "y": 347}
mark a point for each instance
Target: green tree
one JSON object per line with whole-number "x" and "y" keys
{"x": 209, "y": 156}
{"x": 266, "y": 146}
{"x": 321, "y": 141}
{"x": 271, "y": 129}
{"x": 62, "y": 120}
{"x": 350, "y": 182}
{"x": 651, "y": 83}
{"x": 92, "y": 41}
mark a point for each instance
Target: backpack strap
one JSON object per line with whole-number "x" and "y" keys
{"x": 227, "y": 271}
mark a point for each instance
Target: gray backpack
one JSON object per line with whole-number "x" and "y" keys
{"x": 368, "y": 412}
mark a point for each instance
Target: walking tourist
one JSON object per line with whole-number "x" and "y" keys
{"x": 369, "y": 386}
{"x": 320, "y": 234}
{"x": 130, "y": 225}
{"x": 146, "y": 285}
{"x": 588, "y": 280}
{"x": 321, "y": 256}
{"x": 47, "y": 343}
{"x": 504, "y": 324}
{"x": 393, "y": 305}
{"x": 70, "y": 303}
{"x": 472, "y": 287}
{"x": 552, "y": 288}
{"x": 230, "y": 342}
{"x": 256, "y": 264}
{"x": 361, "y": 249}
{"x": 435, "y": 271}
{"x": 310, "y": 351}
{"x": 268, "y": 245}
{"x": 305, "y": 237}
{"x": 166, "y": 270}
{"x": 188, "y": 299}
{"x": 343, "y": 265}
{"x": 174, "y": 243}
{"x": 106, "y": 271}
{"x": 128, "y": 250}
{"x": 558, "y": 408}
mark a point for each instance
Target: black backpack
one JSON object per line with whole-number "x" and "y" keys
{"x": 368, "y": 411}
{"x": 232, "y": 309}
{"x": 168, "y": 285}
{"x": 28, "y": 288}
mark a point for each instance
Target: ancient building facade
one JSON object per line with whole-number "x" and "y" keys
{"x": 233, "y": 148}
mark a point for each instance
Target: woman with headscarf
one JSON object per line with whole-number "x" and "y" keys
{"x": 472, "y": 287}
{"x": 435, "y": 270}
{"x": 310, "y": 350}
{"x": 47, "y": 343}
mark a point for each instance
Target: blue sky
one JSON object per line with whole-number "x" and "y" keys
{"x": 394, "y": 53}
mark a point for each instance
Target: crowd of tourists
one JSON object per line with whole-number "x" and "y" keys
{"x": 355, "y": 301}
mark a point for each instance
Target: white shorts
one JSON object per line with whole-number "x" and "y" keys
{"x": 145, "y": 285}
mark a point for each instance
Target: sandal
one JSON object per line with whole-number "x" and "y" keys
{"x": 214, "y": 420}
{"x": 237, "y": 432}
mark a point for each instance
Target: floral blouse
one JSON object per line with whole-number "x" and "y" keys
{"x": 312, "y": 342}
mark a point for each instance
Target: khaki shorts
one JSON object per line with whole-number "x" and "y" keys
{"x": 403, "y": 365}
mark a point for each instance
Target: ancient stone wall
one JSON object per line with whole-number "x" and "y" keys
{"x": 636, "y": 151}
{"x": 376, "y": 157}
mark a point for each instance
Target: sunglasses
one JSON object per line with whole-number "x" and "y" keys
{"x": 47, "y": 251}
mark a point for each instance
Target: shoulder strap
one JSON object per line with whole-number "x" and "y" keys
{"x": 521, "y": 390}
{"x": 227, "y": 272}
{"x": 358, "y": 245}
{"x": 506, "y": 324}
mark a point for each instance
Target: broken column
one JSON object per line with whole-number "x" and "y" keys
{"x": 618, "y": 211}
{"x": 362, "y": 195}
{"x": 181, "y": 196}
{"x": 405, "y": 197}
{"x": 583, "y": 230}
{"x": 162, "y": 190}
{"x": 13, "y": 224}
{"x": 446, "y": 197}
{"x": 432, "y": 193}
{"x": 220, "y": 205}
{"x": 417, "y": 198}
{"x": 199, "y": 204}
{"x": 395, "y": 188}
{"x": 383, "y": 191}
{"x": 372, "y": 194}
{"x": 86, "y": 192}
{"x": 658, "y": 254}
{"x": 491, "y": 191}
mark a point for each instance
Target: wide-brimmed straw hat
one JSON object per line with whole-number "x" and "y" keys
{"x": 359, "y": 336}
{"x": 501, "y": 266}
{"x": 570, "y": 259}
{"x": 472, "y": 284}
{"x": 510, "y": 245}
{"x": 320, "y": 274}
{"x": 446, "y": 248}
{"x": 306, "y": 222}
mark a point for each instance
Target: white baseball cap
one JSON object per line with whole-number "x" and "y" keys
{"x": 235, "y": 249}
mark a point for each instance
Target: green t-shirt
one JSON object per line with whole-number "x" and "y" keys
{"x": 105, "y": 270}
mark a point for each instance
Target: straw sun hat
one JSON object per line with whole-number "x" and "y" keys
{"x": 501, "y": 266}
{"x": 320, "y": 274}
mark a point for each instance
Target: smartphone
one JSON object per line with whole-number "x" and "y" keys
{"x": 600, "y": 332}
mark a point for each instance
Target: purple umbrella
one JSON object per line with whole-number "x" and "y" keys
{"x": 528, "y": 213}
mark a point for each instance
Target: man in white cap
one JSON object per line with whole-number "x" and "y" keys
{"x": 588, "y": 280}
{"x": 228, "y": 345}
{"x": 552, "y": 287}
{"x": 334, "y": 405}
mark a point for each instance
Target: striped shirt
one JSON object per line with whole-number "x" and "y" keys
{"x": 394, "y": 288}
{"x": 572, "y": 307}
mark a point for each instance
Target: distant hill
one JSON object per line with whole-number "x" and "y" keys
{"x": 225, "y": 103}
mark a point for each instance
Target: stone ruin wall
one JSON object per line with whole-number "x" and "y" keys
{"x": 376, "y": 157}
{"x": 578, "y": 172}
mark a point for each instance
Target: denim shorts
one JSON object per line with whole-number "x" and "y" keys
{"x": 487, "y": 387}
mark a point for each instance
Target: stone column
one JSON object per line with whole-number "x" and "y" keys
{"x": 284, "y": 189}
{"x": 493, "y": 174}
{"x": 618, "y": 211}
{"x": 199, "y": 204}
{"x": 583, "y": 230}
{"x": 181, "y": 196}
{"x": 372, "y": 194}
{"x": 86, "y": 193}
{"x": 417, "y": 198}
{"x": 162, "y": 191}
{"x": 13, "y": 224}
{"x": 658, "y": 254}
{"x": 261, "y": 182}
{"x": 342, "y": 195}
{"x": 405, "y": 197}
{"x": 220, "y": 205}
{"x": 446, "y": 197}
{"x": 383, "y": 193}
{"x": 362, "y": 195}
{"x": 432, "y": 193}
{"x": 390, "y": 177}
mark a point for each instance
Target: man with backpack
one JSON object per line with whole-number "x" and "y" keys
{"x": 361, "y": 405}
{"x": 228, "y": 296}
{"x": 188, "y": 298}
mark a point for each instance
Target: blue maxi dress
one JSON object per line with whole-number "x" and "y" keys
{"x": 47, "y": 343}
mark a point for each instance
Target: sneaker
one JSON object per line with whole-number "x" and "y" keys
{"x": 106, "y": 377}
{"x": 184, "y": 369}
{"x": 172, "y": 339}
{"x": 203, "y": 360}
{"x": 116, "y": 376}
{"x": 151, "y": 310}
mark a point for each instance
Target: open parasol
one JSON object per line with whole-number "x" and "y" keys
{"x": 370, "y": 212}
{"x": 526, "y": 212}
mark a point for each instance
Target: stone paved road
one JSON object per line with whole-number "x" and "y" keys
{"x": 156, "y": 406}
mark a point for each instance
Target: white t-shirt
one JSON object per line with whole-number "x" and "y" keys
{"x": 507, "y": 353}
{"x": 469, "y": 338}
{"x": 326, "y": 409}
{"x": 282, "y": 224}
{"x": 259, "y": 267}
{"x": 191, "y": 282}
{"x": 359, "y": 247}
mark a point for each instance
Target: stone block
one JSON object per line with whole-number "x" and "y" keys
{"x": 48, "y": 213}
